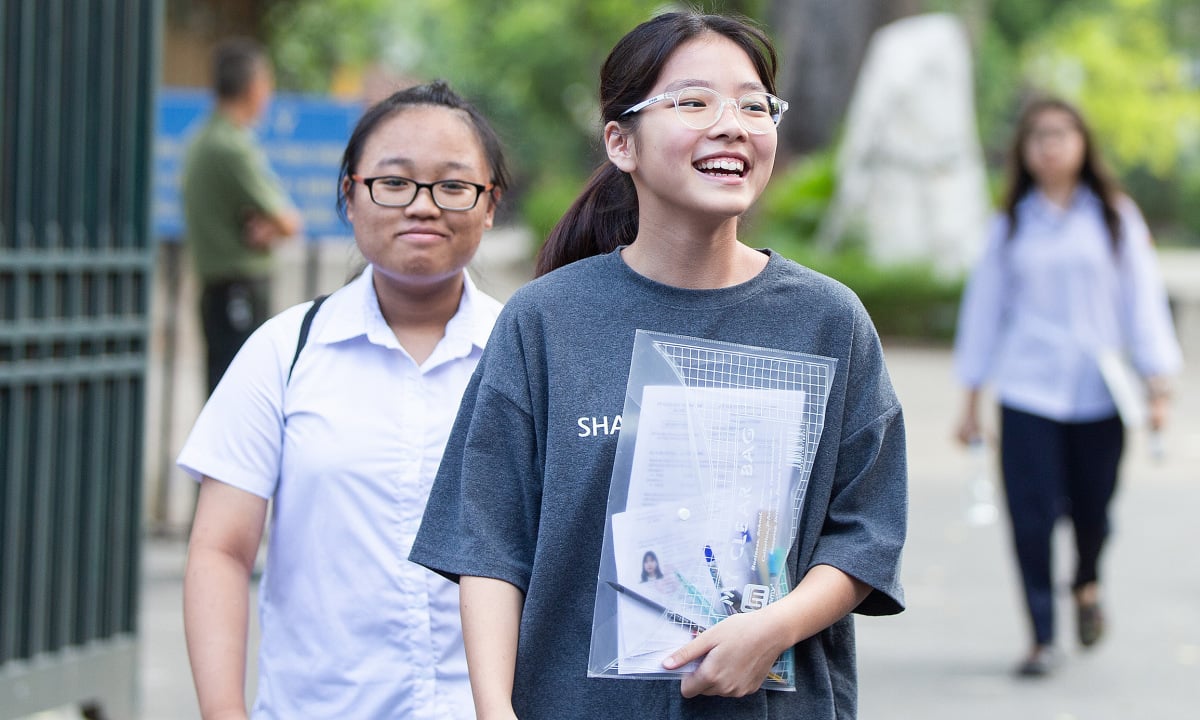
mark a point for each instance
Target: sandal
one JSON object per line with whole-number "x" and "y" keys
{"x": 1089, "y": 622}
{"x": 1040, "y": 662}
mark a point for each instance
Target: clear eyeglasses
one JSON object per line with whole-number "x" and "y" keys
{"x": 700, "y": 108}
{"x": 396, "y": 192}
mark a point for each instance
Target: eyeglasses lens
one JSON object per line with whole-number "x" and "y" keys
{"x": 447, "y": 194}
{"x": 701, "y": 108}
{"x": 453, "y": 195}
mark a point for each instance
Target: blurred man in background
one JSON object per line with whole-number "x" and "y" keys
{"x": 235, "y": 209}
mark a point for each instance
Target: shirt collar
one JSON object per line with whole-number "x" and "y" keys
{"x": 1037, "y": 204}
{"x": 354, "y": 312}
{"x": 473, "y": 322}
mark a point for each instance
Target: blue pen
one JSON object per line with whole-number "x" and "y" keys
{"x": 711, "y": 560}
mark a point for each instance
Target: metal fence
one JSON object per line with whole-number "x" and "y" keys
{"x": 78, "y": 81}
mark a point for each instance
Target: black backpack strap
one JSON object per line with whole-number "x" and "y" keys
{"x": 305, "y": 326}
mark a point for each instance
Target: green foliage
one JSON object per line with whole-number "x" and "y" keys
{"x": 1129, "y": 64}
{"x": 546, "y": 202}
{"x": 1187, "y": 195}
{"x": 904, "y": 301}
{"x": 532, "y": 67}
{"x": 997, "y": 87}
{"x": 1133, "y": 88}
{"x": 791, "y": 208}
{"x": 310, "y": 40}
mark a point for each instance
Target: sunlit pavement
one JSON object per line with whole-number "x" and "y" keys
{"x": 951, "y": 654}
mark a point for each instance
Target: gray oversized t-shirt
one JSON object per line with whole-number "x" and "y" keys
{"x": 522, "y": 491}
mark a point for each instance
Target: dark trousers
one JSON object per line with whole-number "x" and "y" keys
{"x": 230, "y": 310}
{"x": 1053, "y": 469}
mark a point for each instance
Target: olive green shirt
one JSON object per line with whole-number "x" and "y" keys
{"x": 225, "y": 180}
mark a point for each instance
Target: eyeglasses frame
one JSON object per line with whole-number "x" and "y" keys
{"x": 368, "y": 182}
{"x": 673, "y": 96}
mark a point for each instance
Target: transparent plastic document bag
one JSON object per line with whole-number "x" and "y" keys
{"x": 716, "y": 447}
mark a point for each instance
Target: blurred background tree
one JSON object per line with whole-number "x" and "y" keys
{"x": 1132, "y": 65}
{"x": 533, "y": 67}
{"x": 822, "y": 45}
{"x": 1133, "y": 68}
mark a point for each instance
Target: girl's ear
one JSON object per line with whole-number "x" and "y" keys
{"x": 493, "y": 200}
{"x": 347, "y": 186}
{"x": 620, "y": 147}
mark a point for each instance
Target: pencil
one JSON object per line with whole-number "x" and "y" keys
{"x": 668, "y": 614}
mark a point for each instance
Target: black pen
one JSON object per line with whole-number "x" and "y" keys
{"x": 669, "y": 614}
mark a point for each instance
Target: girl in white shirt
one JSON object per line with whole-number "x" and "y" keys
{"x": 346, "y": 442}
{"x": 1069, "y": 274}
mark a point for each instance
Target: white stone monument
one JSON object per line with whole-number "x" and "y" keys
{"x": 911, "y": 177}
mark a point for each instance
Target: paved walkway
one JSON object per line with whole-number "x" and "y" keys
{"x": 950, "y": 654}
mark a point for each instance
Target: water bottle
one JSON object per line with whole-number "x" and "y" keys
{"x": 1157, "y": 446}
{"x": 981, "y": 504}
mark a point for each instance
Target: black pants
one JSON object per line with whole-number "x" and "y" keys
{"x": 230, "y": 311}
{"x": 1053, "y": 469}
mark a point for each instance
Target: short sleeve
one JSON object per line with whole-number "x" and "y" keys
{"x": 866, "y": 522}
{"x": 238, "y": 436}
{"x": 255, "y": 182}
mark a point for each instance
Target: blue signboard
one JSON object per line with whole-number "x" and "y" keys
{"x": 303, "y": 137}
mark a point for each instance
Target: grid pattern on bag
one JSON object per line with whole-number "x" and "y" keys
{"x": 704, "y": 367}
{"x": 786, "y": 421}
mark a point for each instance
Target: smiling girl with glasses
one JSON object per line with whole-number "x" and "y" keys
{"x": 518, "y": 510}
{"x": 332, "y": 418}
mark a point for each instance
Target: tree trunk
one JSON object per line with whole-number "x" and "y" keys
{"x": 822, "y": 44}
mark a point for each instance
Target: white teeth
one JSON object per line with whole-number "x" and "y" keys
{"x": 724, "y": 164}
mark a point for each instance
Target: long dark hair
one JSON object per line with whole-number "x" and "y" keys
{"x": 1092, "y": 174}
{"x": 436, "y": 93}
{"x": 605, "y": 215}
{"x": 657, "y": 568}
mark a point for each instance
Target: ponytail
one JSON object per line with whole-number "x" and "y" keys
{"x": 602, "y": 218}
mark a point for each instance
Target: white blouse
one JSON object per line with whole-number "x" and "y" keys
{"x": 347, "y": 450}
{"x": 1041, "y": 306}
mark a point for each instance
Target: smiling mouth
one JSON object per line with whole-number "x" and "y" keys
{"x": 722, "y": 167}
{"x": 420, "y": 231}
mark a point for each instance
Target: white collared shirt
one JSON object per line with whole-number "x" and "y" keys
{"x": 1040, "y": 307}
{"x": 347, "y": 450}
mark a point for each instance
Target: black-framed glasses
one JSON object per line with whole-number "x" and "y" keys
{"x": 700, "y": 108}
{"x": 396, "y": 192}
